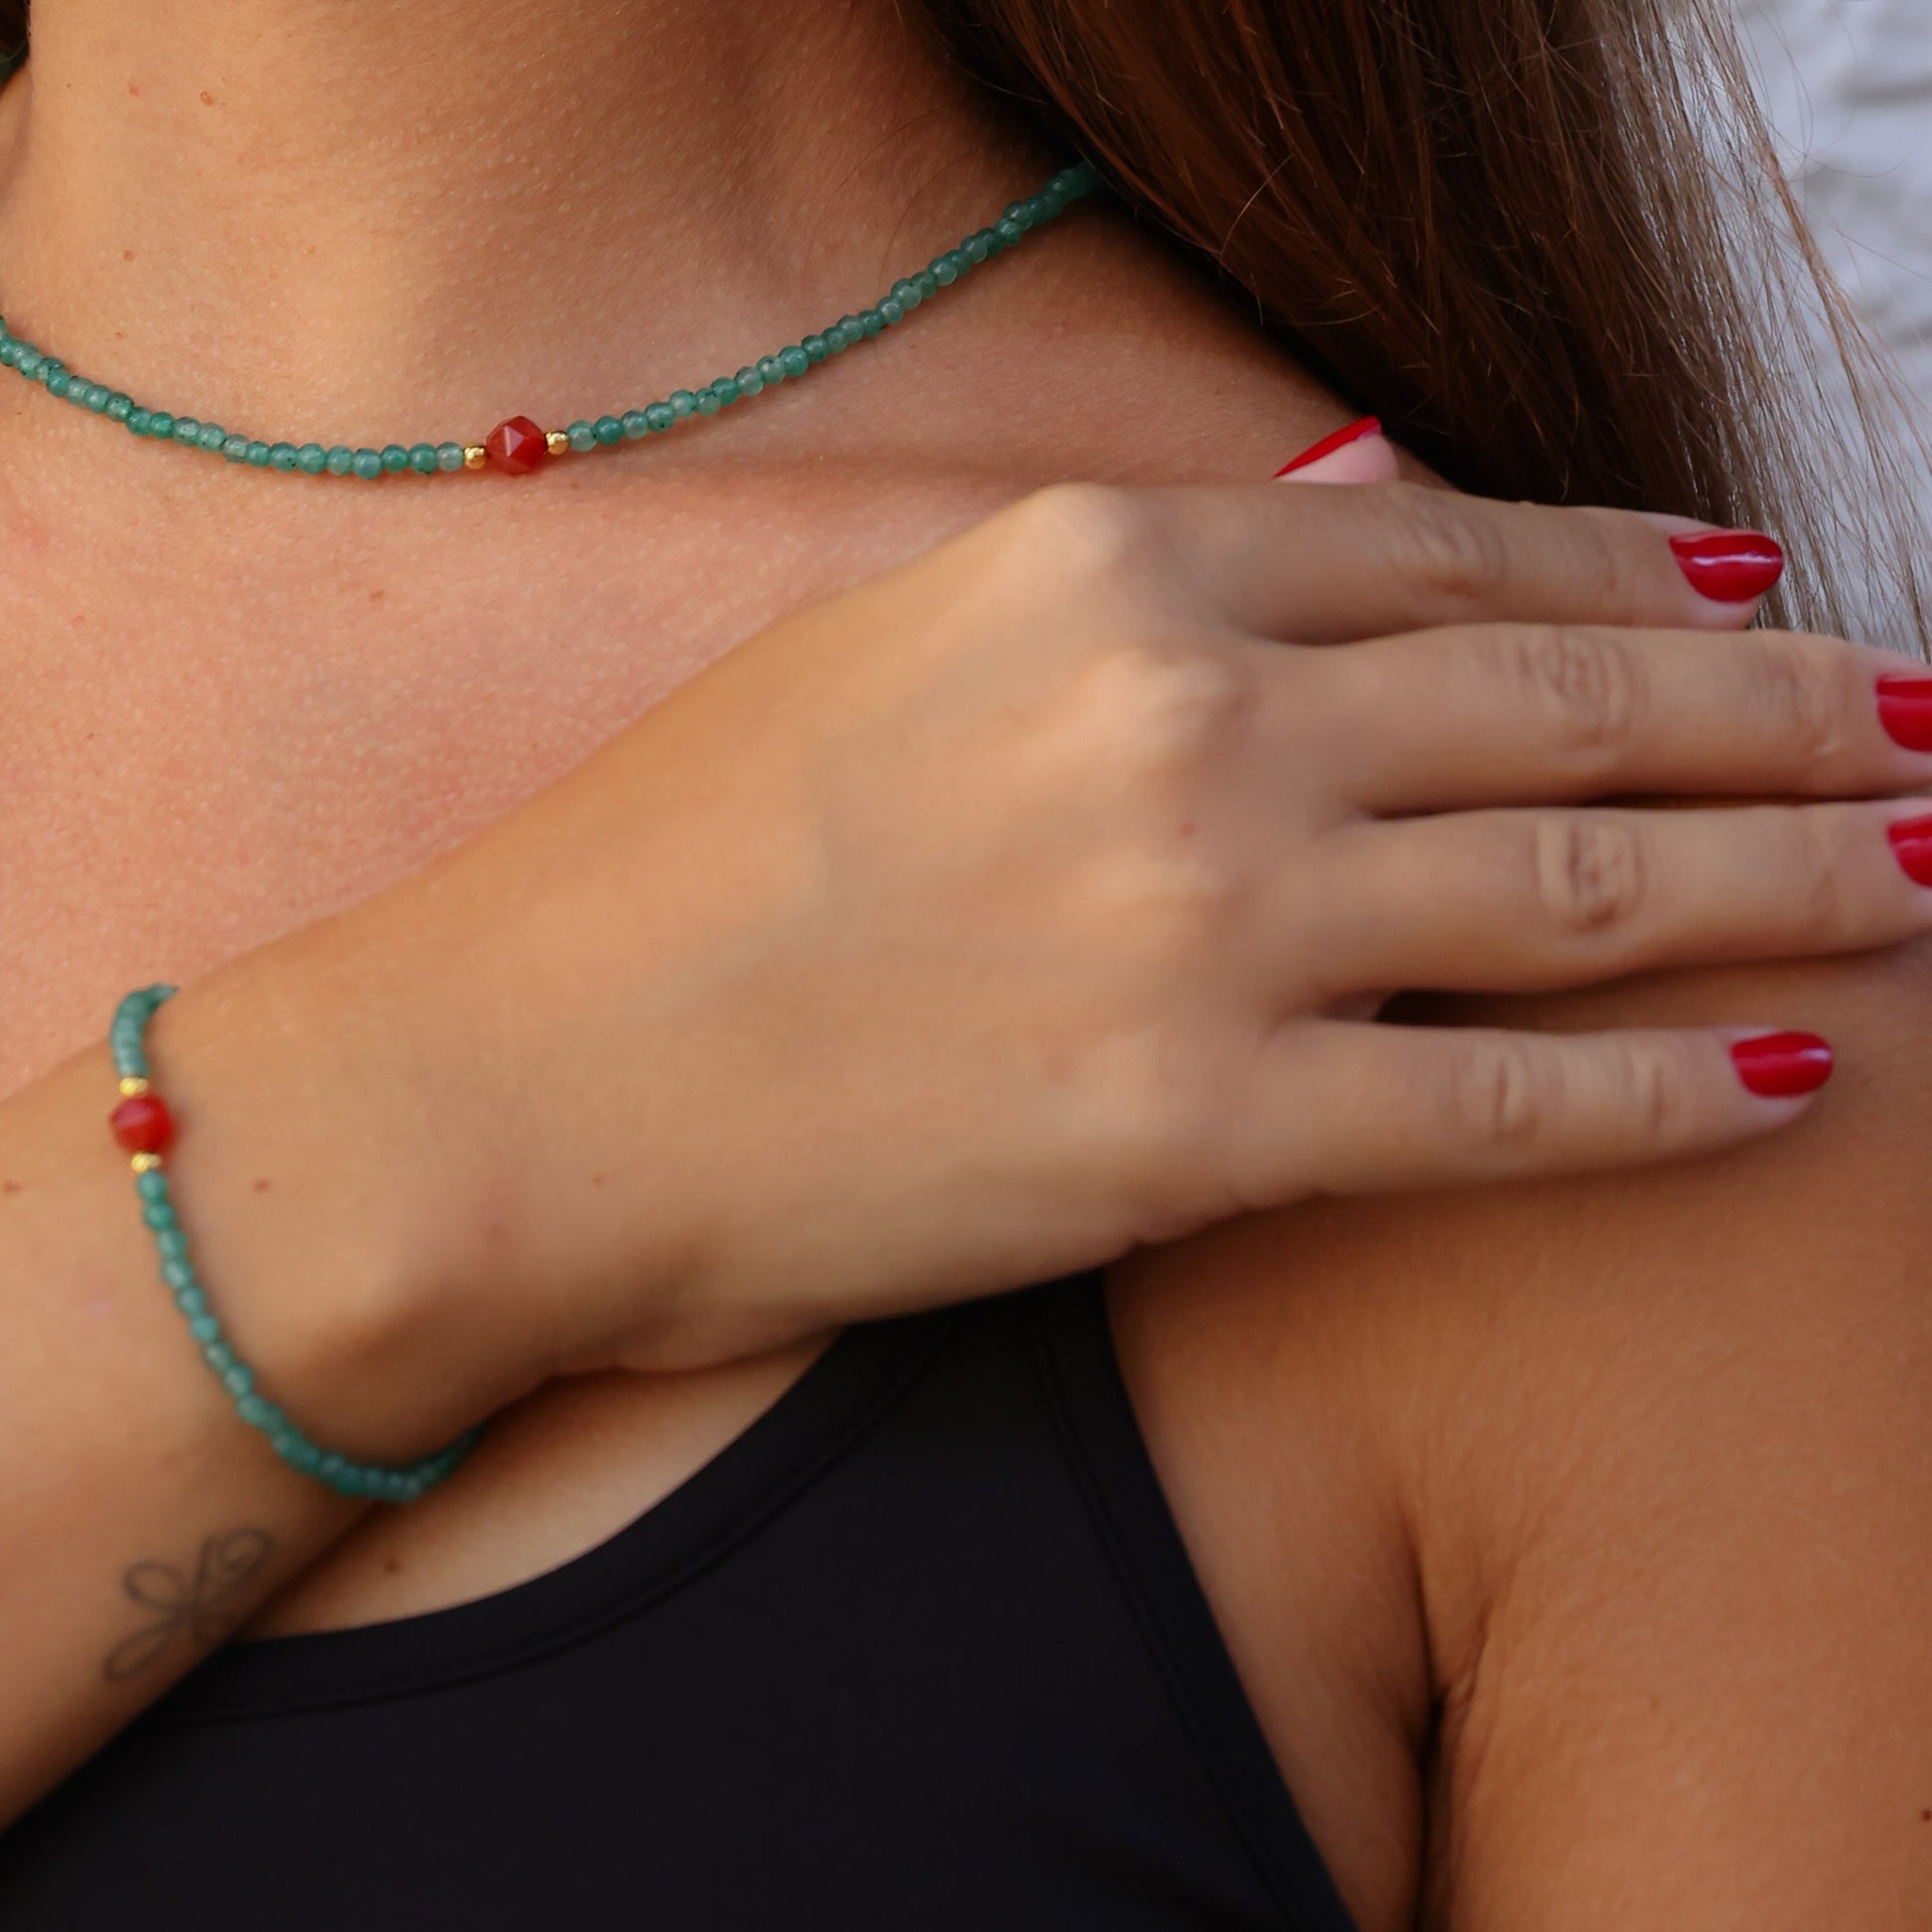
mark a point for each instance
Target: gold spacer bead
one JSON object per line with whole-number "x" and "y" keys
{"x": 558, "y": 441}
{"x": 132, "y": 1086}
{"x": 145, "y": 1162}
{"x": 475, "y": 456}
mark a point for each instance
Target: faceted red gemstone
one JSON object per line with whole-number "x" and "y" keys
{"x": 517, "y": 445}
{"x": 143, "y": 1125}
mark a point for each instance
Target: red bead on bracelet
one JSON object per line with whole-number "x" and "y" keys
{"x": 142, "y": 1123}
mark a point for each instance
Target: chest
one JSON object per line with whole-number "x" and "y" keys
{"x": 219, "y": 730}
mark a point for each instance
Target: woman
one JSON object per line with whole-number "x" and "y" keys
{"x": 1340, "y": 1680}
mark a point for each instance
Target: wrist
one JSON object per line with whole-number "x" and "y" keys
{"x": 327, "y": 1203}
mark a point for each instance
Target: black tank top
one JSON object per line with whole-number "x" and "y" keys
{"x": 920, "y": 1651}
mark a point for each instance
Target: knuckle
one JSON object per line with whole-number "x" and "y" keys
{"x": 1797, "y": 684}
{"x": 1591, "y": 871}
{"x": 1586, "y": 685}
{"x": 1656, "y": 1097}
{"x": 1165, "y": 703}
{"x": 1817, "y": 889}
{"x": 1499, "y": 1093}
{"x": 1086, "y": 530}
{"x": 1446, "y": 547}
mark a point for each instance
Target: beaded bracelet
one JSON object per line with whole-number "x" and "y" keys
{"x": 143, "y": 1125}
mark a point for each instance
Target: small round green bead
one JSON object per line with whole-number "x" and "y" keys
{"x": 449, "y": 457}
{"x": 212, "y": 436}
{"x": 234, "y": 449}
{"x": 708, "y": 402}
{"x": 282, "y": 455}
{"x": 206, "y": 1329}
{"x": 942, "y": 271}
{"x": 908, "y": 294}
{"x": 608, "y": 430}
{"x": 748, "y": 380}
{"x": 814, "y": 347}
{"x": 312, "y": 458}
{"x": 239, "y": 1379}
{"x": 394, "y": 458}
{"x": 190, "y": 1300}
{"x": 152, "y": 1185}
{"x": 422, "y": 459}
{"x": 773, "y": 370}
{"x": 180, "y": 1277}
{"x": 582, "y": 437}
{"x": 340, "y": 459}
{"x": 258, "y": 455}
{"x": 794, "y": 360}
{"x": 159, "y": 1214}
{"x": 99, "y": 395}
{"x": 891, "y": 310}
{"x": 250, "y": 1407}
{"x": 119, "y": 407}
{"x": 682, "y": 402}
{"x": 636, "y": 425}
{"x": 368, "y": 464}
{"x": 172, "y": 1243}
{"x": 29, "y": 364}
{"x": 57, "y": 383}
{"x": 872, "y": 322}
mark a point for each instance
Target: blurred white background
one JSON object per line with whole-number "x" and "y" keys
{"x": 1848, "y": 85}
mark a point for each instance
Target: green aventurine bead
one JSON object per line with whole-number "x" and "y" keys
{"x": 773, "y": 370}
{"x": 815, "y": 347}
{"x": 748, "y": 380}
{"x": 943, "y": 271}
{"x": 159, "y": 1214}
{"x": 872, "y": 322}
{"x": 282, "y": 457}
{"x": 119, "y": 407}
{"x": 250, "y": 1407}
{"x": 609, "y": 431}
{"x": 180, "y": 1277}
{"x": 891, "y": 309}
{"x": 206, "y": 1329}
{"x": 235, "y": 448}
{"x": 99, "y": 395}
{"x": 172, "y": 1243}
{"x": 660, "y": 416}
{"x": 582, "y": 437}
{"x": 394, "y": 458}
{"x": 57, "y": 383}
{"x": 368, "y": 464}
{"x": 682, "y": 402}
{"x": 707, "y": 401}
{"x": 448, "y": 456}
{"x": 422, "y": 459}
{"x": 152, "y": 1185}
{"x": 794, "y": 360}
{"x": 238, "y": 1380}
{"x": 636, "y": 424}
{"x": 258, "y": 456}
{"x": 341, "y": 461}
{"x": 312, "y": 458}
{"x": 213, "y": 435}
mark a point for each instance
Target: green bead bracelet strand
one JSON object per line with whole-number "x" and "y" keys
{"x": 145, "y": 1128}
{"x": 519, "y": 446}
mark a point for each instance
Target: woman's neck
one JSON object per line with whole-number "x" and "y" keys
{"x": 425, "y": 214}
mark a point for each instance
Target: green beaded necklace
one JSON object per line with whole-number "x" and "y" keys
{"x": 519, "y": 446}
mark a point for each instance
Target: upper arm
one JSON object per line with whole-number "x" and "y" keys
{"x": 1657, "y": 1451}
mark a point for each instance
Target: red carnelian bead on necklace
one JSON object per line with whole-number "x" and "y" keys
{"x": 517, "y": 445}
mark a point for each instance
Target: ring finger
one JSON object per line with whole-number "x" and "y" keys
{"x": 1520, "y": 902}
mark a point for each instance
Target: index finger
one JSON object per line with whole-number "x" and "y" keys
{"x": 1333, "y": 566}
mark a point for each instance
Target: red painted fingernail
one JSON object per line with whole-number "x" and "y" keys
{"x": 1905, "y": 711}
{"x": 1781, "y": 1066}
{"x": 1911, "y": 840}
{"x": 1731, "y": 567}
{"x": 1358, "y": 432}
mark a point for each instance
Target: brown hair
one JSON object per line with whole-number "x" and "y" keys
{"x": 1545, "y": 241}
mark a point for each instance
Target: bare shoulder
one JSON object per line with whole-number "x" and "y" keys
{"x": 1654, "y": 1456}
